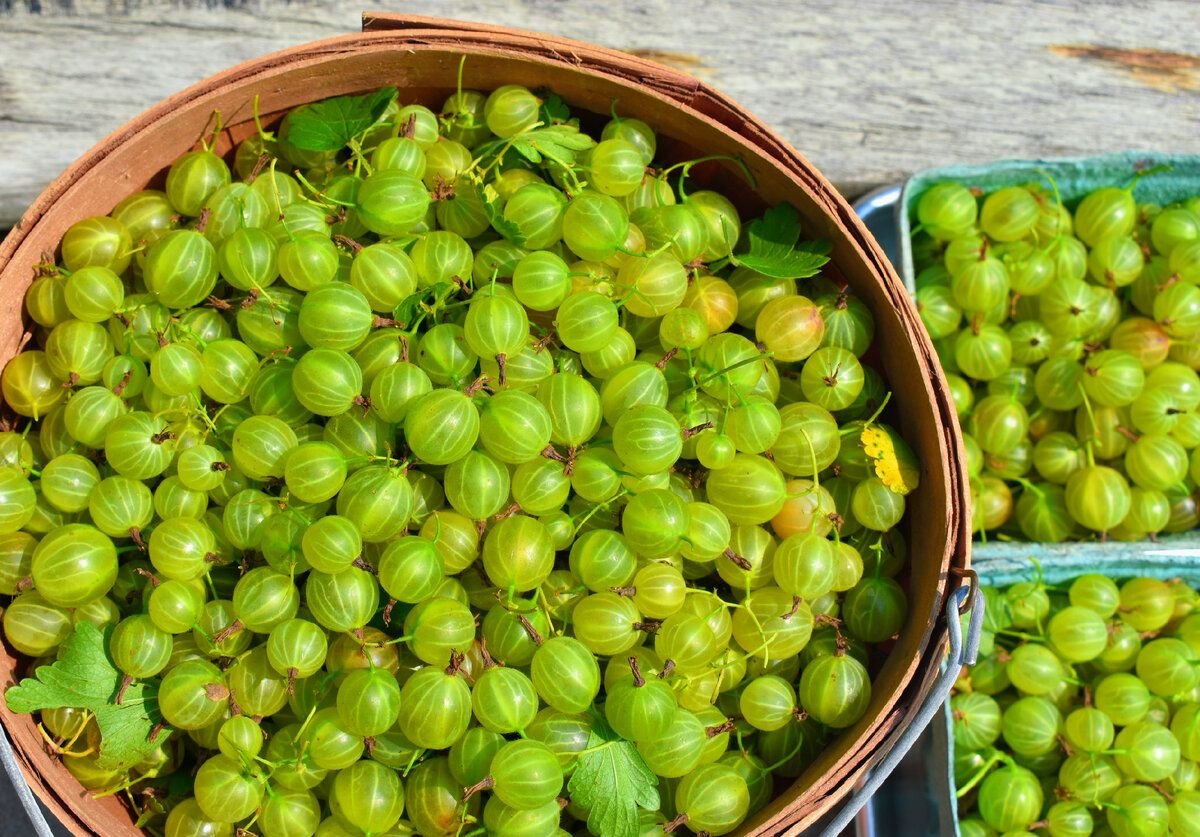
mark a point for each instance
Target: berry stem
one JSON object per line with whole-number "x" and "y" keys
{"x": 126, "y": 682}
{"x": 483, "y": 784}
{"x": 638, "y": 679}
{"x": 674, "y": 824}
{"x": 738, "y": 561}
{"x": 530, "y": 629}
{"x": 226, "y": 632}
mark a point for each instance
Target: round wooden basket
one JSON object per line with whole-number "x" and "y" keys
{"x": 421, "y": 57}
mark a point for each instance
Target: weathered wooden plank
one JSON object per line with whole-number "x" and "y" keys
{"x": 870, "y": 91}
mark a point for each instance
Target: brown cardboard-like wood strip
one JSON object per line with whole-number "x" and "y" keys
{"x": 423, "y": 63}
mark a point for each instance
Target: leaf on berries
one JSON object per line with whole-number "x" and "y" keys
{"x": 893, "y": 460}
{"x": 612, "y": 781}
{"x": 329, "y": 125}
{"x": 495, "y": 214}
{"x": 416, "y": 304}
{"x": 85, "y": 678}
{"x": 553, "y": 110}
{"x": 556, "y": 142}
{"x": 776, "y": 249}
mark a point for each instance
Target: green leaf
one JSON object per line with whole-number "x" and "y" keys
{"x": 567, "y": 136}
{"x": 495, "y": 214}
{"x": 554, "y": 110}
{"x": 612, "y": 781}
{"x": 330, "y": 124}
{"x": 84, "y": 678}
{"x": 412, "y": 306}
{"x": 557, "y": 142}
{"x": 774, "y": 250}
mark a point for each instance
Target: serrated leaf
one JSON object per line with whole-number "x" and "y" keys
{"x": 415, "y": 304}
{"x": 554, "y": 109}
{"x": 612, "y": 781}
{"x": 495, "y": 214}
{"x": 330, "y": 124}
{"x": 892, "y": 459}
{"x": 558, "y": 142}
{"x": 567, "y": 136}
{"x": 774, "y": 248}
{"x": 84, "y": 678}
{"x": 527, "y": 150}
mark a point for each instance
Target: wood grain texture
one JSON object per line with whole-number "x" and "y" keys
{"x": 869, "y": 91}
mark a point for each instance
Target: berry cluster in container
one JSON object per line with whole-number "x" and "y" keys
{"x": 1071, "y": 339}
{"x": 421, "y": 472}
{"x": 1083, "y": 713}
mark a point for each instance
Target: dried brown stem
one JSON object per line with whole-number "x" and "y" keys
{"x": 501, "y": 367}
{"x": 674, "y": 824}
{"x": 488, "y": 660}
{"x": 123, "y": 383}
{"x": 456, "y": 663}
{"x": 512, "y": 509}
{"x": 796, "y": 602}
{"x": 126, "y": 682}
{"x": 530, "y": 629}
{"x": 482, "y": 785}
{"x": 738, "y": 560}
{"x": 638, "y": 680}
{"x": 365, "y": 565}
{"x": 699, "y": 428}
{"x": 720, "y": 729}
{"x": 347, "y": 242}
{"x": 476, "y": 385}
{"x": 228, "y": 631}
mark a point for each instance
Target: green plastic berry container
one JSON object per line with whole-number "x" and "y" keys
{"x": 939, "y": 813}
{"x": 1073, "y": 178}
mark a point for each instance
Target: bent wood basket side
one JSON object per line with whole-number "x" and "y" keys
{"x": 421, "y": 57}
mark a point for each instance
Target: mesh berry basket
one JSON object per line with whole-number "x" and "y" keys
{"x": 1073, "y": 178}
{"x": 1004, "y": 570}
{"x": 421, "y": 57}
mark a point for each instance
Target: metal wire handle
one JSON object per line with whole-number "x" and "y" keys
{"x": 962, "y": 651}
{"x": 28, "y": 801}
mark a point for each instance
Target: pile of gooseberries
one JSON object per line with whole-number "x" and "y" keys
{"x": 415, "y": 472}
{"x": 1083, "y": 713}
{"x": 1071, "y": 339}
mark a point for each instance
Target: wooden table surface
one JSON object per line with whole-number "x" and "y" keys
{"x": 869, "y": 90}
